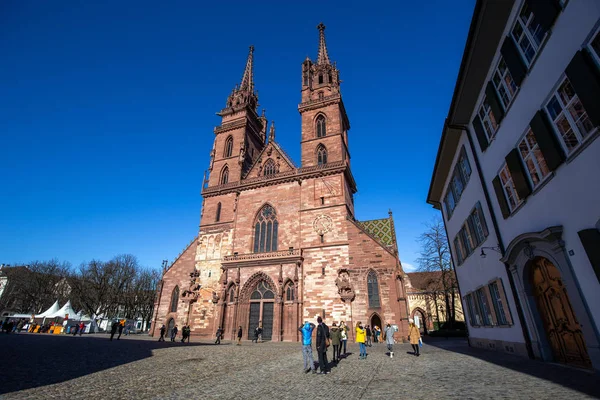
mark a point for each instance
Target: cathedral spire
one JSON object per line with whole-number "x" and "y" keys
{"x": 248, "y": 78}
{"x": 322, "y": 57}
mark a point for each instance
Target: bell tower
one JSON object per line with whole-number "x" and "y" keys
{"x": 242, "y": 133}
{"x": 325, "y": 124}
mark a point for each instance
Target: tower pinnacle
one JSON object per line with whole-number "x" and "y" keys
{"x": 248, "y": 78}
{"x": 244, "y": 93}
{"x": 322, "y": 57}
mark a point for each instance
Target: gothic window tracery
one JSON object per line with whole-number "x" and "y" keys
{"x": 174, "y": 299}
{"x": 289, "y": 292}
{"x": 218, "y": 216}
{"x": 321, "y": 126}
{"x": 231, "y": 294}
{"x": 228, "y": 147}
{"x": 225, "y": 175}
{"x": 263, "y": 291}
{"x": 373, "y": 290}
{"x": 269, "y": 167}
{"x": 265, "y": 230}
{"x": 321, "y": 155}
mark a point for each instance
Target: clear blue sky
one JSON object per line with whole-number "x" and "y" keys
{"x": 107, "y": 112}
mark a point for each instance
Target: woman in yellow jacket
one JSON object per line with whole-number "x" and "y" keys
{"x": 361, "y": 335}
{"x": 414, "y": 335}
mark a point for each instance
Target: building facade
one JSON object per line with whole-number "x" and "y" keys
{"x": 515, "y": 178}
{"x": 279, "y": 243}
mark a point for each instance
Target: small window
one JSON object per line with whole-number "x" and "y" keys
{"x": 509, "y": 189}
{"x": 321, "y": 155}
{"x": 269, "y": 168}
{"x": 486, "y": 317}
{"x": 569, "y": 117}
{"x": 232, "y": 294}
{"x": 497, "y": 302}
{"x": 320, "y": 79}
{"x": 488, "y": 121}
{"x": 209, "y": 273}
{"x": 289, "y": 292}
{"x": 504, "y": 84}
{"x": 225, "y": 176}
{"x": 228, "y": 147}
{"x": 218, "y": 216}
{"x": 321, "y": 126}
{"x": 528, "y": 34}
{"x": 533, "y": 159}
{"x": 594, "y": 47}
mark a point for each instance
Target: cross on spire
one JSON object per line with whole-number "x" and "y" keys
{"x": 322, "y": 57}
{"x": 248, "y": 78}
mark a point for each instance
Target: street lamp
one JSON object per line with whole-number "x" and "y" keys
{"x": 496, "y": 249}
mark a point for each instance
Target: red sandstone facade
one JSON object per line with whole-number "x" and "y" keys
{"x": 280, "y": 243}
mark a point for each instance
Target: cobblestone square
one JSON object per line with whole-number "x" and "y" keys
{"x": 47, "y": 366}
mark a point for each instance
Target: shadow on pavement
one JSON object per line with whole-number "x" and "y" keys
{"x": 581, "y": 380}
{"x": 33, "y": 360}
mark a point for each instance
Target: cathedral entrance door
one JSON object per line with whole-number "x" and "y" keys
{"x": 562, "y": 329}
{"x": 375, "y": 321}
{"x": 170, "y": 326}
{"x": 262, "y": 302}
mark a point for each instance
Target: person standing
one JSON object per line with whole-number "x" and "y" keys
{"x": 336, "y": 338}
{"x": 255, "y": 340}
{"x": 75, "y": 330}
{"x": 183, "y": 333}
{"x": 322, "y": 336}
{"x": 368, "y": 342}
{"x": 307, "y": 354}
{"x": 81, "y": 328}
{"x": 260, "y": 331}
{"x": 163, "y": 330}
{"x": 414, "y": 335}
{"x": 239, "y": 336}
{"x": 361, "y": 335}
{"x": 388, "y": 335}
{"x": 113, "y": 329}
{"x": 218, "y": 334}
{"x": 344, "y": 333}
{"x": 174, "y": 333}
{"x": 121, "y": 326}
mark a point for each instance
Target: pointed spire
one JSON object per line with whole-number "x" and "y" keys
{"x": 272, "y": 132}
{"x": 248, "y": 78}
{"x": 322, "y": 57}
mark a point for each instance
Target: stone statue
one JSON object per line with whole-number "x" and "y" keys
{"x": 345, "y": 289}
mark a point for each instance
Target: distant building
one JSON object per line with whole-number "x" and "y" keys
{"x": 516, "y": 178}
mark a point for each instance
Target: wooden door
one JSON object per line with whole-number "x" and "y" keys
{"x": 561, "y": 325}
{"x": 267, "y": 320}
{"x": 254, "y": 318}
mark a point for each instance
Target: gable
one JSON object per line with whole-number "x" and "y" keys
{"x": 272, "y": 151}
{"x": 380, "y": 228}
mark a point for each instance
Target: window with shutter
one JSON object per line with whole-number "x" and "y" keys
{"x": 457, "y": 250}
{"x": 488, "y": 121}
{"x": 594, "y": 47}
{"x": 518, "y": 174}
{"x": 513, "y": 60}
{"x": 529, "y": 150}
{"x": 482, "y": 302}
{"x": 509, "y": 189}
{"x": 504, "y": 84}
{"x": 502, "y": 202}
{"x": 473, "y": 317}
{"x": 497, "y": 303}
{"x": 547, "y": 141}
{"x": 590, "y": 239}
{"x": 528, "y": 34}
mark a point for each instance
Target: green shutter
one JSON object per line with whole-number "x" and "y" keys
{"x": 547, "y": 140}
{"x": 517, "y": 171}
{"x": 544, "y": 12}
{"x": 590, "y": 238}
{"x": 584, "y": 77}
{"x": 494, "y": 102}
{"x": 501, "y": 198}
{"x": 513, "y": 60}
{"x": 480, "y": 133}
{"x": 482, "y": 219}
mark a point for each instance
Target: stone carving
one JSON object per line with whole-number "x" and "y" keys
{"x": 193, "y": 291}
{"x": 215, "y": 298}
{"x": 345, "y": 289}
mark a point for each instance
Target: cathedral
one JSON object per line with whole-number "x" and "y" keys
{"x": 279, "y": 243}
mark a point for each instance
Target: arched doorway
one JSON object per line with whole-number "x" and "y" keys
{"x": 375, "y": 321}
{"x": 419, "y": 316}
{"x": 170, "y": 326}
{"x": 554, "y": 306}
{"x": 262, "y": 302}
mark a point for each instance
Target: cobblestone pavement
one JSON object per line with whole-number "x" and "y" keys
{"x": 45, "y": 366}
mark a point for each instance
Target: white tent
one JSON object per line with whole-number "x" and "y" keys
{"x": 64, "y": 311}
{"x": 53, "y": 308}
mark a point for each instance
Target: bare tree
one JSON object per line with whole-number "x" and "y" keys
{"x": 435, "y": 257}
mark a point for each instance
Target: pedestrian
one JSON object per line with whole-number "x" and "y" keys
{"x": 336, "y": 338}
{"x": 368, "y": 343}
{"x": 344, "y": 332}
{"x": 260, "y": 331}
{"x": 307, "y": 354}
{"x": 174, "y": 333}
{"x": 163, "y": 329}
{"x": 189, "y": 333}
{"x": 20, "y": 325}
{"x": 127, "y": 329}
{"x": 81, "y": 328}
{"x": 183, "y": 334}
{"x": 388, "y": 335}
{"x": 113, "y": 329}
{"x": 413, "y": 336}
{"x": 239, "y": 336}
{"x": 255, "y": 340}
{"x": 75, "y": 330}
{"x": 323, "y": 341}
{"x": 121, "y": 326}
{"x": 218, "y": 334}
{"x": 360, "y": 339}
{"x": 377, "y": 331}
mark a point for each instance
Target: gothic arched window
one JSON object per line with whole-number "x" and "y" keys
{"x": 228, "y": 147}
{"x": 269, "y": 167}
{"x": 231, "y": 294}
{"x": 265, "y": 230}
{"x": 321, "y": 131}
{"x": 289, "y": 292}
{"x": 330, "y": 78}
{"x": 263, "y": 291}
{"x": 218, "y": 216}
{"x": 174, "y": 299}
{"x": 224, "y": 175}
{"x": 373, "y": 289}
{"x": 320, "y": 79}
{"x": 321, "y": 155}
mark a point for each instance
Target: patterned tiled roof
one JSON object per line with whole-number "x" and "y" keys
{"x": 380, "y": 228}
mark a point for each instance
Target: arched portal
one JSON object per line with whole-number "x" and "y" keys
{"x": 375, "y": 321}
{"x": 170, "y": 326}
{"x": 262, "y": 304}
{"x": 422, "y": 317}
{"x": 562, "y": 329}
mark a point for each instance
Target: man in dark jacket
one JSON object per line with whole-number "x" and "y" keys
{"x": 322, "y": 336}
{"x": 113, "y": 329}
{"x": 163, "y": 330}
{"x": 239, "y": 336}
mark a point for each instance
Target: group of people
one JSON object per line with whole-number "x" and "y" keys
{"x": 336, "y": 337}
{"x": 185, "y": 333}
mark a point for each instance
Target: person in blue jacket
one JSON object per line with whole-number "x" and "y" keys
{"x": 309, "y": 362}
